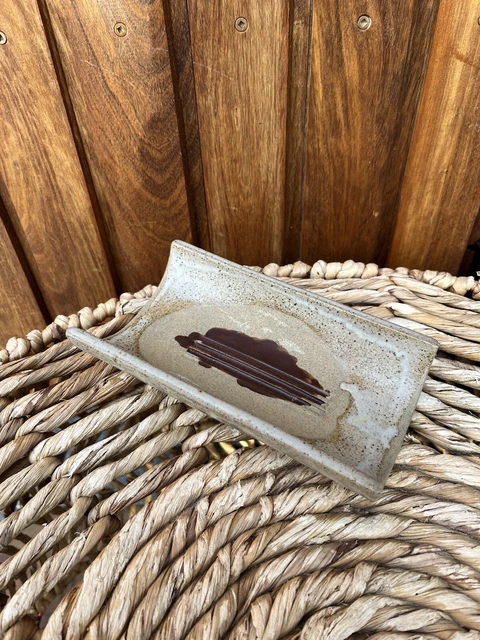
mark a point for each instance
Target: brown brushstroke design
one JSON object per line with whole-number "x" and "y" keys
{"x": 260, "y": 365}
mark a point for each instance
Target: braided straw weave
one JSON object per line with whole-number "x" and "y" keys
{"x": 129, "y": 516}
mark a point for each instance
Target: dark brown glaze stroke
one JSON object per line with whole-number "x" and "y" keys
{"x": 260, "y": 365}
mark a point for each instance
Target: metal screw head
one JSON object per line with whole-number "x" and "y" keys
{"x": 3, "y": 38}
{"x": 364, "y": 22}
{"x": 241, "y": 24}
{"x": 120, "y": 29}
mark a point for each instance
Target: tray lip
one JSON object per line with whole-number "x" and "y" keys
{"x": 111, "y": 351}
{"x": 316, "y": 299}
{"x": 220, "y": 409}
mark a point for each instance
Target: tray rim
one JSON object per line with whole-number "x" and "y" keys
{"x": 278, "y": 285}
{"x": 313, "y": 457}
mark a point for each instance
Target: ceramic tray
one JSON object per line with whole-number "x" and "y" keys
{"x": 332, "y": 387}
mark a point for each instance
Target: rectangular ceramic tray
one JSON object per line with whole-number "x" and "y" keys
{"x": 329, "y": 385}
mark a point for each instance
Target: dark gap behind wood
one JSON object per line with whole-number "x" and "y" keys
{"x": 177, "y": 26}
{"x": 72, "y": 119}
{"x": 471, "y": 258}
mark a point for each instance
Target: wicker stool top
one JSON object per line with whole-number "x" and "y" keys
{"x": 130, "y": 516}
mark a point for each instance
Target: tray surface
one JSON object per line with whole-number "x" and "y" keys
{"x": 329, "y": 385}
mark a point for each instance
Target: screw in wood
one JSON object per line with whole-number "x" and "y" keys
{"x": 120, "y": 29}
{"x": 3, "y": 38}
{"x": 241, "y": 24}
{"x": 364, "y": 22}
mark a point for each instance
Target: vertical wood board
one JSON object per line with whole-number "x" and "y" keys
{"x": 364, "y": 93}
{"x": 19, "y": 311}
{"x": 42, "y": 184}
{"x": 441, "y": 190}
{"x": 241, "y": 89}
{"x": 301, "y": 15}
{"x": 180, "y": 47}
{"x": 122, "y": 94}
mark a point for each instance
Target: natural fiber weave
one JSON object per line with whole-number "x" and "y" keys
{"x": 130, "y": 516}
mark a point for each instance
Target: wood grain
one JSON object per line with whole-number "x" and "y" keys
{"x": 42, "y": 185}
{"x": 19, "y": 311}
{"x": 241, "y": 89}
{"x": 364, "y": 94}
{"x": 441, "y": 191}
{"x": 180, "y": 48}
{"x": 122, "y": 95}
{"x": 301, "y": 17}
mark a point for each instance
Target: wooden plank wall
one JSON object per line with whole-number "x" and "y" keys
{"x": 241, "y": 88}
{"x": 42, "y": 184}
{"x": 364, "y": 90}
{"x": 19, "y": 308}
{"x": 122, "y": 97}
{"x": 264, "y": 131}
{"x": 441, "y": 190}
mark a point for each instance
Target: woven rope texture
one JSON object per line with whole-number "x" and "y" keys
{"x": 129, "y": 516}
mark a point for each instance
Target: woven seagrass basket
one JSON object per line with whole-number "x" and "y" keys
{"x": 130, "y": 516}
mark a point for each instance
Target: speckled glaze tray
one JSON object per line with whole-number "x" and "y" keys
{"x": 328, "y": 385}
